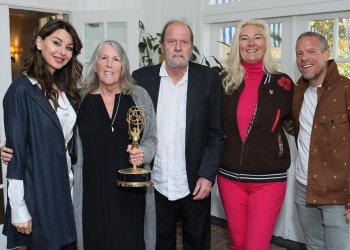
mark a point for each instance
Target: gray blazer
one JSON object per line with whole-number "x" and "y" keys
{"x": 148, "y": 143}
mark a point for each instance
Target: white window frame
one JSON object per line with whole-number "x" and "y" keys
{"x": 255, "y": 9}
{"x": 304, "y": 23}
{"x": 286, "y": 41}
{"x": 293, "y": 14}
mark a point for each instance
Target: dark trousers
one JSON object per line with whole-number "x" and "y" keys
{"x": 195, "y": 219}
{"x": 72, "y": 246}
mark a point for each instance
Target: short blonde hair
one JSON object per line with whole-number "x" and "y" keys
{"x": 235, "y": 70}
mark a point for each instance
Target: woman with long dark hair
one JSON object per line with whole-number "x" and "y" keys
{"x": 39, "y": 115}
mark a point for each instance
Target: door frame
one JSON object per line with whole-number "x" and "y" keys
{"x": 5, "y": 81}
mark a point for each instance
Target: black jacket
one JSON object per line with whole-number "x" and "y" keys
{"x": 204, "y": 131}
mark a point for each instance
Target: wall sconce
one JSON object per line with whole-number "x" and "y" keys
{"x": 14, "y": 50}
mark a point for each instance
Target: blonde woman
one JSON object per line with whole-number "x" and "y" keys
{"x": 257, "y": 102}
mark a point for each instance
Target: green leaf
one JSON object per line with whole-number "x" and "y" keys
{"x": 141, "y": 25}
{"x": 193, "y": 57}
{"x": 206, "y": 62}
{"x": 142, "y": 47}
{"x": 217, "y": 61}
{"x": 155, "y": 47}
{"x": 153, "y": 39}
{"x": 149, "y": 42}
{"x": 195, "y": 49}
{"x": 226, "y": 44}
{"x": 276, "y": 36}
{"x": 150, "y": 62}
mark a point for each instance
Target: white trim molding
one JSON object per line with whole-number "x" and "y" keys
{"x": 57, "y": 5}
{"x": 254, "y": 9}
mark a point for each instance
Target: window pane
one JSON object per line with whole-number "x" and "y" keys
{"x": 344, "y": 69}
{"x": 324, "y": 27}
{"x": 118, "y": 31}
{"x": 226, "y": 35}
{"x": 344, "y": 38}
{"x": 214, "y": 2}
{"x": 94, "y": 33}
{"x": 276, "y": 40}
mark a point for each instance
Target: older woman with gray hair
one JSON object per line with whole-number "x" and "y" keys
{"x": 113, "y": 217}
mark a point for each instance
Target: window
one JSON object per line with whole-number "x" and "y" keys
{"x": 276, "y": 41}
{"x": 337, "y": 33}
{"x": 226, "y": 35}
{"x": 227, "y": 32}
{"x": 215, "y": 2}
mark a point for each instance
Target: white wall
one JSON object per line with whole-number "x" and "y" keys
{"x": 57, "y": 5}
{"x": 153, "y": 13}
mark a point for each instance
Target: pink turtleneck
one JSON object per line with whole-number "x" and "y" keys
{"x": 249, "y": 96}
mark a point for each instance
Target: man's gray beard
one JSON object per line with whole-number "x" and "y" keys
{"x": 177, "y": 66}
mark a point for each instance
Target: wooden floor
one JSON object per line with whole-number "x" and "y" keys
{"x": 220, "y": 239}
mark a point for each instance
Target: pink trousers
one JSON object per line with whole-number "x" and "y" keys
{"x": 251, "y": 210}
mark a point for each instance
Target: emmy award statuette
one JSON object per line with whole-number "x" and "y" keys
{"x": 135, "y": 176}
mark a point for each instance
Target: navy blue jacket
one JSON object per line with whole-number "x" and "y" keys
{"x": 34, "y": 132}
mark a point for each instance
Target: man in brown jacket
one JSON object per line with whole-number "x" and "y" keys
{"x": 321, "y": 114}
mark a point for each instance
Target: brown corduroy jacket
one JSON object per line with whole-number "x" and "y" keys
{"x": 329, "y": 159}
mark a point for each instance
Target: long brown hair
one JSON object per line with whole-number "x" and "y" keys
{"x": 67, "y": 78}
